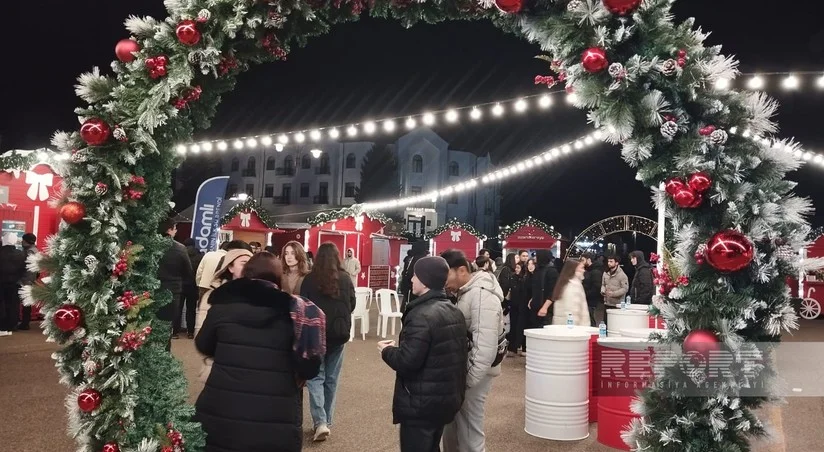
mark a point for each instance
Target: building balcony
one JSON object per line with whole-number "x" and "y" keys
{"x": 285, "y": 171}
{"x": 323, "y": 170}
{"x": 282, "y": 200}
{"x": 249, "y": 172}
{"x": 321, "y": 199}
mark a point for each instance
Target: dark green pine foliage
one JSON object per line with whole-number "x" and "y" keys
{"x": 379, "y": 175}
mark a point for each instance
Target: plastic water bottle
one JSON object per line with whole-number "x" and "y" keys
{"x": 623, "y": 304}
{"x": 570, "y": 322}
{"x": 629, "y": 300}
{"x": 602, "y": 329}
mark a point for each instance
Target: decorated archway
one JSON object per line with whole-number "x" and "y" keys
{"x": 648, "y": 84}
{"x": 613, "y": 225}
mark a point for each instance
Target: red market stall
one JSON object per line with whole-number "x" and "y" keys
{"x": 810, "y": 286}
{"x": 364, "y": 232}
{"x": 530, "y": 234}
{"x": 249, "y": 222}
{"x": 456, "y": 235}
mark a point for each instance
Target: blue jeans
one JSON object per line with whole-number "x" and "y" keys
{"x": 324, "y": 388}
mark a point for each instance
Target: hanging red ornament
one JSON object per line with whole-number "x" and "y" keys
{"x": 673, "y": 185}
{"x": 110, "y": 447}
{"x": 510, "y": 6}
{"x": 622, "y": 7}
{"x": 594, "y": 60}
{"x": 702, "y": 342}
{"x": 682, "y": 53}
{"x": 157, "y": 66}
{"x": 187, "y": 32}
{"x": 125, "y": 50}
{"x": 686, "y": 198}
{"x": 700, "y": 182}
{"x": 89, "y": 400}
{"x": 706, "y": 131}
{"x": 95, "y": 131}
{"x": 729, "y": 251}
{"x": 67, "y": 317}
{"x": 73, "y": 212}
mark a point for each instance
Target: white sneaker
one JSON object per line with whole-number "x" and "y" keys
{"x": 5, "y": 333}
{"x": 321, "y": 433}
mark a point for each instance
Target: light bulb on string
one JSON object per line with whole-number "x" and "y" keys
{"x": 352, "y": 131}
{"x": 252, "y": 143}
{"x": 266, "y": 141}
{"x": 451, "y": 115}
{"x": 369, "y": 127}
{"x": 237, "y": 145}
{"x": 222, "y": 146}
{"x": 428, "y": 119}
{"x": 791, "y": 82}
{"x": 820, "y": 82}
{"x": 545, "y": 101}
{"x": 475, "y": 113}
{"x": 194, "y": 149}
{"x": 181, "y": 148}
{"x": 566, "y": 148}
{"x": 315, "y": 135}
{"x": 756, "y": 82}
{"x": 334, "y": 134}
{"x": 389, "y": 125}
{"x": 207, "y": 146}
{"x": 411, "y": 123}
{"x": 578, "y": 144}
{"x": 520, "y": 105}
{"x": 498, "y": 110}
{"x": 571, "y": 98}
{"x": 722, "y": 84}
{"x": 283, "y": 139}
{"x": 300, "y": 137}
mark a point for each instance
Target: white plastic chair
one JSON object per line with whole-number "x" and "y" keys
{"x": 386, "y": 310}
{"x": 368, "y": 292}
{"x": 361, "y": 313}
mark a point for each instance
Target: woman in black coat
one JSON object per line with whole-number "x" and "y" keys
{"x": 252, "y": 400}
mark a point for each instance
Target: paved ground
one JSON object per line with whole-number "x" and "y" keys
{"x": 32, "y": 417}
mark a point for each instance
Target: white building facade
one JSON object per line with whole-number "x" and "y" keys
{"x": 294, "y": 184}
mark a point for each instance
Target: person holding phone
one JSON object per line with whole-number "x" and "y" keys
{"x": 430, "y": 360}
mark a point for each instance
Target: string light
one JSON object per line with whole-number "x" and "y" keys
{"x": 300, "y": 137}
{"x": 572, "y": 98}
{"x": 283, "y": 139}
{"x": 820, "y": 82}
{"x": 411, "y": 123}
{"x": 237, "y": 144}
{"x": 369, "y": 127}
{"x": 334, "y": 134}
{"x": 527, "y": 164}
{"x": 520, "y": 105}
{"x": 315, "y": 135}
{"x": 791, "y": 82}
{"x": 266, "y": 141}
{"x": 757, "y": 82}
{"x": 429, "y": 119}
{"x": 545, "y": 101}
{"x": 207, "y": 146}
{"x": 222, "y": 146}
{"x": 498, "y": 110}
{"x": 452, "y": 115}
{"x": 723, "y": 84}
{"x": 476, "y": 114}
{"x": 389, "y": 125}
{"x": 352, "y": 131}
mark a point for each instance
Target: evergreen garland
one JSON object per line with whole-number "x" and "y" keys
{"x": 348, "y": 212}
{"x": 249, "y": 205}
{"x": 656, "y": 100}
{"x": 506, "y": 231}
{"x": 21, "y": 160}
{"x": 455, "y": 223}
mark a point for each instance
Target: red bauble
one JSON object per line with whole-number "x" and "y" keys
{"x": 187, "y": 32}
{"x": 622, "y": 7}
{"x": 89, "y": 400}
{"x": 73, "y": 212}
{"x": 686, "y": 198}
{"x": 673, "y": 185}
{"x": 110, "y": 447}
{"x": 95, "y": 131}
{"x": 702, "y": 342}
{"x": 157, "y": 66}
{"x": 125, "y": 48}
{"x": 67, "y": 317}
{"x": 510, "y": 6}
{"x": 700, "y": 182}
{"x": 729, "y": 251}
{"x": 594, "y": 60}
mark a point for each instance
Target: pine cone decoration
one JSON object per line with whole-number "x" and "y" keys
{"x": 669, "y": 67}
{"x": 669, "y": 129}
{"x": 718, "y": 137}
{"x": 617, "y": 71}
{"x": 120, "y": 134}
{"x": 101, "y": 189}
{"x": 79, "y": 156}
{"x": 573, "y": 5}
{"x": 204, "y": 15}
{"x": 91, "y": 262}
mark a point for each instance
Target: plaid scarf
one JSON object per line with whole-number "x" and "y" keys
{"x": 310, "y": 328}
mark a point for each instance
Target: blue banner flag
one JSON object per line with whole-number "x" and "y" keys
{"x": 207, "y": 213}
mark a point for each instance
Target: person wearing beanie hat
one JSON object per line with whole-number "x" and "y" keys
{"x": 429, "y": 359}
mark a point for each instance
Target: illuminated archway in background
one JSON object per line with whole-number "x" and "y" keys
{"x": 614, "y": 225}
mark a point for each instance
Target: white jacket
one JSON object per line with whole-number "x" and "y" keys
{"x": 572, "y": 300}
{"x": 352, "y": 266}
{"x": 480, "y": 302}
{"x": 207, "y": 268}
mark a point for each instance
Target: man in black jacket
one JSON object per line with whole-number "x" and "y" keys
{"x": 30, "y": 248}
{"x": 419, "y": 250}
{"x": 430, "y": 360}
{"x": 190, "y": 295}
{"x": 642, "y": 286}
{"x": 12, "y": 270}
{"x": 593, "y": 276}
{"x": 174, "y": 272}
{"x": 543, "y": 284}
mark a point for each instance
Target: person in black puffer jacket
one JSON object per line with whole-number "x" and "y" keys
{"x": 430, "y": 360}
{"x": 329, "y": 287}
{"x": 642, "y": 287}
{"x": 253, "y": 398}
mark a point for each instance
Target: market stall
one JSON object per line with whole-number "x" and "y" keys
{"x": 810, "y": 285}
{"x": 530, "y": 234}
{"x": 249, "y": 222}
{"x": 456, "y": 235}
{"x": 24, "y": 201}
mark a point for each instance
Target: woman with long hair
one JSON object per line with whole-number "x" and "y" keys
{"x": 265, "y": 344}
{"x": 329, "y": 287}
{"x": 229, "y": 269}
{"x": 295, "y": 267}
{"x": 569, "y": 295}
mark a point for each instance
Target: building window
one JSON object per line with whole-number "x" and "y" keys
{"x": 349, "y": 190}
{"x": 305, "y": 162}
{"x": 288, "y": 162}
{"x": 286, "y": 191}
{"x": 250, "y": 164}
{"x": 414, "y": 191}
{"x": 351, "y": 160}
{"x": 231, "y": 190}
{"x": 454, "y": 169}
{"x": 417, "y": 164}
{"x": 270, "y": 164}
{"x": 324, "y": 164}
{"x": 323, "y": 193}
{"x": 235, "y": 164}
{"x": 304, "y": 190}
{"x": 269, "y": 191}
{"x": 250, "y": 190}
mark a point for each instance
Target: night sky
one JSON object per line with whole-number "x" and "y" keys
{"x": 374, "y": 69}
